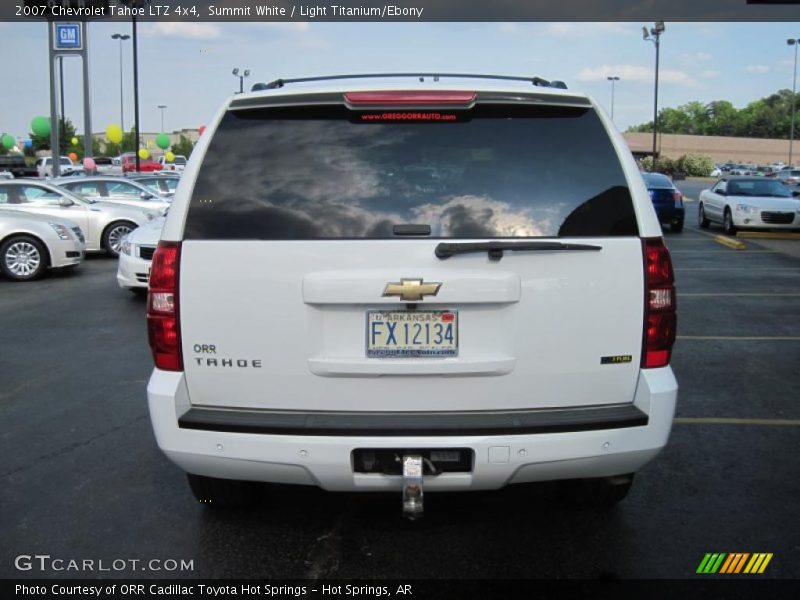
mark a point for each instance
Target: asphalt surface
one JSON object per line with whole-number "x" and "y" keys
{"x": 81, "y": 476}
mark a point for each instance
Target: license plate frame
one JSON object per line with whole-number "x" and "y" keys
{"x": 410, "y": 351}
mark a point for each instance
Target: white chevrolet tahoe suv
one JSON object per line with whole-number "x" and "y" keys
{"x": 396, "y": 283}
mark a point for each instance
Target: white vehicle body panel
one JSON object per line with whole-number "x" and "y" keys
{"x": 13, "y": 223}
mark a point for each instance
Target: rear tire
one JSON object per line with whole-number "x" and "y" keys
{"x": 229, "y": 493}
{"x": 676, "y": 226}
{"x": 701, "y": 217}
{"x": 600, "y": 492}
{"x": 23, "y": 258}
{"x": 727, "y": 223}
{"x": 113, "y": 234}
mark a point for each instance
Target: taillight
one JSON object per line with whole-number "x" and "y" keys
{"x": 163, "y": 316}
{"x": 420, "y": 98}
{"x": 660, "y": 318}
{"x": 678, "y": 197}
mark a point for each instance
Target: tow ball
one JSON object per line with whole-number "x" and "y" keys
{"x": 412, "y": 486}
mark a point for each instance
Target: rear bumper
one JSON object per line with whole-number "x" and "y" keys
{"x": 670, "y": 214}
{"x": 324, "y": 460}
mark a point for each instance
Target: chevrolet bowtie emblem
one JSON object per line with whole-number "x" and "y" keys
{"x": 411, "y": 290}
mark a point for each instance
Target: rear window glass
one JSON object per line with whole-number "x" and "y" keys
{"x": 330, "y": 173}
{"x": 655, "y": 181}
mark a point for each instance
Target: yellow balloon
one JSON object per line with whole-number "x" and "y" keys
{"x": 114, "y": 133}
{"x": 144, "y": 154}
{"x": 169, "y": 156}
{"x": 74, "y": 141}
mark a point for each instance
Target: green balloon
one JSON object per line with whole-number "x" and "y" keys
{"x": 162, "y": 141}
{"x": 8, "y": 141}
{"x": 40, "y": 126}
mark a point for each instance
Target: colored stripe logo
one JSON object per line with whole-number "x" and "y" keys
{"x": 734, "y": 563}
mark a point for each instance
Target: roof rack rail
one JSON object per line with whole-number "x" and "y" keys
{"x": 537, "y": 81}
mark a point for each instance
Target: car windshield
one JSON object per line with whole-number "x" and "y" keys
{"x": 657, "y": 181}
{"x": 759, "y": 187}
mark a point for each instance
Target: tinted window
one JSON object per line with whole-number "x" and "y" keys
{"x": 656, "y": 181}
{"x": 327, "y": 172}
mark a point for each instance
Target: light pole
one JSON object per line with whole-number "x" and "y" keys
{"x": 162, "y": 107}
{"x": 613, "y": 80}
{"x": 241, "y": 77}
{"x": 795, "y": 43}
{"x": 654, "y": 35}
{"x": 121, "y": 37}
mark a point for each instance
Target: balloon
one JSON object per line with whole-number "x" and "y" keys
{"x": 144, "y": 154}
{"x": 72, "y": 156}
{"x": 114, "y": 133}
{"x": 169, "y": 156}
{"x": 89, "y": 164}
{"x": 29, "y": 143}
{"x": 40, "y": 126}
{"x": 201, "y": 130}
{"x": 74, "y": 141}
{"x": 8, "y": 141}
{"x": 162, "y": 141}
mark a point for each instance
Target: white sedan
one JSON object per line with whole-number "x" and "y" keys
{"x": 749, "y": 202}
{"x": 136, "y": 256}
{"x": 30, "y": 244}
{"x": 114, "y": 189}
{"x": 103, "y": 223}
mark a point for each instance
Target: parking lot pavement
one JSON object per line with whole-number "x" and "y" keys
{"x": 83, "y": 478}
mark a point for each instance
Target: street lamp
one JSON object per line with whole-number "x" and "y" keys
{"x": 795, "y": 43}
{"x": 654, "y": 35}
{"x": 613, "y": 80}
{"x": 121, "y": 37}
{"x": 241, "y": 77}
{"x": 162, "y": 107}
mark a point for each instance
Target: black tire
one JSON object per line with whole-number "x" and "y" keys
{"x": 701, "y": 217}
{"x": 676, "y": 226}
{"x": 600, "y": 492}
{"x": 23, "y": 258}
{"x": 113, "y": 234}
{"x": 138, "y": 292}
{"x": 228, "y": 493}
{"x": 727, "y": 223}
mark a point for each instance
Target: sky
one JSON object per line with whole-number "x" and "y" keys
{"x": 187, "y": 66}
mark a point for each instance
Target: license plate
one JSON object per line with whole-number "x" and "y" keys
{"x": 415, "y": 333}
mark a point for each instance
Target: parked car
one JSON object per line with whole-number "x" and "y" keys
{"x": 789, "y": 176}
{"x": 15, "y": 165}
{"x": 106, "y": 166}
{"x": 163, "y": 183}
{"x": 749, "y": 202}
{"x": 44, "y": 166}
{"x": 103, "y": 224}
{"x": 411, "y": 289}
{"x": 31, "y": 244}
{"x": 128, "y": 162}
{"x": 115, "y": 189}
{"x": 136, "y": 256}
{"x": 667, "y": 200}
{"x": 178, "y": 164}
{"x": 716, "y": 172}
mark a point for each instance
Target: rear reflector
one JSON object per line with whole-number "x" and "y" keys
{"x": 410, "y": 98}
{"x": 163, "y": 316}
{"x": 660, "y": 317}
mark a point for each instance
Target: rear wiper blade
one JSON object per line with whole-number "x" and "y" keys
{"x": 495, "y": 249}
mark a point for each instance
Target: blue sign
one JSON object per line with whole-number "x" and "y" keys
{"x": 68, "y": 36}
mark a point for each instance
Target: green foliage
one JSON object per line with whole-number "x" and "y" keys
{"x": 183, "y": 146}
{"x": 695, "y": 165}
{"x": 66, "y": 131}
{"x": 768, "y": 117}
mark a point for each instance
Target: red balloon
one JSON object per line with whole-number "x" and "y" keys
{"x": 201, "y": 129}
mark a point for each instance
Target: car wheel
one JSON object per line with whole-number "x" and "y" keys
{"x": 114, "y": 234}
{"x": 138, "y": 291}
{"x": 23, "y": 258}
{"x": 215, "y": 492}
{"x": 676, "y": 226}
{"x": 600, "y": 492}
{"x": 727, "y": 223}
{"x": 701, "y": 217}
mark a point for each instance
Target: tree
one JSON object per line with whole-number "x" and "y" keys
{"x": 66, "y": 131}
{"x": 183, "y": 146}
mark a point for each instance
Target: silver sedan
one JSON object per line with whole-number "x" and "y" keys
{"x": 114, "y": 189}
